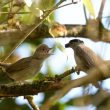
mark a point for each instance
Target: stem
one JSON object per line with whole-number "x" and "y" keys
{"x": 62, "y": 6}
{"x": 15, "y": 13}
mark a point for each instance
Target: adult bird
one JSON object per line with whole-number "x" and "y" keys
{"x": 85, "y": 58}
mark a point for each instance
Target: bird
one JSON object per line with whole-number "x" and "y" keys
{"x": 85, "y": 57}
{"x": 27, "y": 68}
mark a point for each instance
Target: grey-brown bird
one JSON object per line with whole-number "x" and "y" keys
{"x": 85, "y": 58}
{"x": 27, "y": 68}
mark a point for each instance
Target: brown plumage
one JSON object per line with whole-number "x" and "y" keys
{"x": 27, "y": 68}
{"x": 85, "y": 58}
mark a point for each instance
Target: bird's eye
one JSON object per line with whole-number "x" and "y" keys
{"x": 43, "y": 49}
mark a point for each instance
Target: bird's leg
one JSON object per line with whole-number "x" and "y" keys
{"x": 77, "y": 69}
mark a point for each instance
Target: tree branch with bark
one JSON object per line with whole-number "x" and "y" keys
{"x": 54, "y": 83}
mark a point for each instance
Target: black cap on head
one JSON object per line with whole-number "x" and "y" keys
{"x": 73, "y": 41}
{"x": 76, "y": 40}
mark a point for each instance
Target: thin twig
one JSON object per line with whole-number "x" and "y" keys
{"x": 65, "y": 74}
{"x": 101, "y": 9}
{"x": 85, "y": 13}
{"x": 31, "y": 102}
{"x": 7, "y": 2}
{"x": 15, "y": 13}
{"x": 11, "y": 6}
{"x": 62, "y": 6}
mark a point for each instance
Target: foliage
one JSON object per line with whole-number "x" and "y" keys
{"x": 16, "y": 16}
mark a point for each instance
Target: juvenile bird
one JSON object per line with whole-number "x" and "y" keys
{"x": 85, "y": 58}
{"x": 27, "y": 68}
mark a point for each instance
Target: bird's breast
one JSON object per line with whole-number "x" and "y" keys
{"x": 27, "y": 73}
{"x": 80, "y": 63}
{"x": 35, "y": 66}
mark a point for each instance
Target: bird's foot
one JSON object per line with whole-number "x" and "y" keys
{"x": 77, "y": 69}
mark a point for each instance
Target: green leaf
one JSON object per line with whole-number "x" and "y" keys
{"x": 89, "y": 6}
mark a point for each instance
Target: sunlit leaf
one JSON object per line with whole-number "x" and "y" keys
{"x": 88, "y": 4}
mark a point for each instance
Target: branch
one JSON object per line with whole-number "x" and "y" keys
{"x": 94, "y": 75}
{"x": 85, "y": 100}
{"x": 84, "y": 31}
{"x": 101, "y": 9}
{"x": 31, "y": 102}
{"x": 73, "y": 2}
{"x": 53, "y": 84}
{"x": 32, "y": 88}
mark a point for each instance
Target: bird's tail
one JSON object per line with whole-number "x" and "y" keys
{"x": 5, "y": 65}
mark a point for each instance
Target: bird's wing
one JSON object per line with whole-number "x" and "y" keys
{"x": 5, "y": 65}
{"x": 19, "y": 65}
{"x": 89, "y": 58}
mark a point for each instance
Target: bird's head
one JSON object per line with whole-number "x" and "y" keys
{"x": 73, "y": 43}
{"x": 42, "y": 52}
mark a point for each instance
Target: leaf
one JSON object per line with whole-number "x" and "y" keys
{"x": 60, "y": 46}
{"x": 89, "y": 6}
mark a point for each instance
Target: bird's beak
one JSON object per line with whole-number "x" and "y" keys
{"x": 67, "y": 45}
{"x": 50, "y": 51}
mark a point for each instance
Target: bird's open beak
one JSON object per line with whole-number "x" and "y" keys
{"x": 50, "y": 51}
{"x": 67, "y": 45}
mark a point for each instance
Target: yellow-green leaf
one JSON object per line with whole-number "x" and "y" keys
{"x": 88, "y": 4}
{"x": 60, "y": 46}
